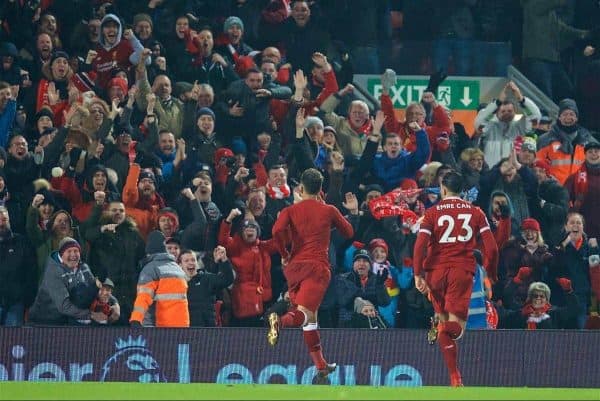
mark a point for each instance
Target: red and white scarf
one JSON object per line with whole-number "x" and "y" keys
{"x": 393, "y": 204}
{"x": 580, "y": 186}
{"x": 535, "y": 315}
{"x": 280, "y": 192}
{"x": 362, "y": 130}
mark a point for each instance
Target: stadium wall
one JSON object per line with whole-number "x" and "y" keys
{"x": 232, "y": 355}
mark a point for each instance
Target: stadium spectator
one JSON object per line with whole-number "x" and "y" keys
{"x": 205, "y": 286}
{"x": 563, "y": 147}
{"x": 116, "y": 249}
{"x": 67, "y": 290}
{"x": 584, "y": 189}
{"x": 500, "y": 127}
{"x": 18, "y": 280}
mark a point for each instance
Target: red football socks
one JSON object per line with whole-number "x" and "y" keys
{"x": 448, "y": 332}
{"x": 313, "y": 343}
{"x": 293, "y": 318}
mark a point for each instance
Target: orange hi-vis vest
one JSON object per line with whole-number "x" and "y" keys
{"x": 162, "y": 282}
{"x": 562, "y": 164}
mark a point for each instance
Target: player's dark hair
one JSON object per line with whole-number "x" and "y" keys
{"x": 453, "y": 181}
{"x": 312, "y": 181}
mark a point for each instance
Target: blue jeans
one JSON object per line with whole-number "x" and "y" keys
{"x": 551, "y": 78}
{"x": 459, "y": 50}
{"x": 12, "y": 316}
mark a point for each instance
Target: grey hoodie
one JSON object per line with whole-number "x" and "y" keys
{"x": 135, "y": 57}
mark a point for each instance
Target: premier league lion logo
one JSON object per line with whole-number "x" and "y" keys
{"x": 132, "y": 362}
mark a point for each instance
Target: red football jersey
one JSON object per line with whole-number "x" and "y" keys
{"x": 453, "y": 226}
{"x": 310, "y": 223}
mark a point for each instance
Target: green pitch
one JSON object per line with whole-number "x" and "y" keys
{"x": 198, "y": 391}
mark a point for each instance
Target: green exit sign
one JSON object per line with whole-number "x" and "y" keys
{"x": 453, "y": 93}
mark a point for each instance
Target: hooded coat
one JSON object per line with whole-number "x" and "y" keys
{"x": 123, "y": 54}
{"x": 64, "y": 295}
{"x": 116, "y": 255}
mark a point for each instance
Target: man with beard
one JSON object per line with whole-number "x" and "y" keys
{"x": 171, "y": 152}
{"x": 142, "y": 199}
{"x": 306, "y": 228}
{"x": 563, "y": 146}
{"x": 116, "y": 48}
{"x": 501, "y": 127}
{"x": 17, "y": 276}
{"x": 41, "y": 55}
{"x": 116, "y": 247}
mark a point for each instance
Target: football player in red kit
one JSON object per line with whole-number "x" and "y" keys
{"x": 307, "y": 224}
{"x": 447, "y": 236}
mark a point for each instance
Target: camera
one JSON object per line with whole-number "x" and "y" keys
{"x": 230, "y": 161}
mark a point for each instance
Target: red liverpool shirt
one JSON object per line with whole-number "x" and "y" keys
{"x": 453, "y": 227}
{"x": 309, "y": 223}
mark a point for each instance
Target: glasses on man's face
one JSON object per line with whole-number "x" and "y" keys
{"x": 538, "y": 295}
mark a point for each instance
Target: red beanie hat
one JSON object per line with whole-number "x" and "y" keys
{"x": 408, "y": 183}
{"x": 530, "y": 224}
{"x": 120, "y": 82}
{"x": 378, "y": 243}
{"x": 221, "y": 153}
{"x": 172, "y": 216}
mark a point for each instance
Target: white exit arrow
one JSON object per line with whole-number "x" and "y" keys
{"x": 466, "y": 99}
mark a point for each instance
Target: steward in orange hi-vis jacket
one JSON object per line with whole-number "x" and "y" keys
{"x": 162, "y": 282}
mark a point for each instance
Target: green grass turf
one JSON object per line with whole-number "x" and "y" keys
{"x": 201, "y": 391}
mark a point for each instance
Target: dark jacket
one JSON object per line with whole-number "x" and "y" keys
{"x": 573, "y": 264}
{"x": 256, "y": 109}
{"x": 64, "y": 294}
{"x": 201, "y": 233}
{"x": 116, "y": 255}
{"x": 348, "y": 287}
{"x": 202, "y": 291}
{"x": 559, "y": 317}
{"x": 18, "y": 280}
{"x": 555, "y": 210}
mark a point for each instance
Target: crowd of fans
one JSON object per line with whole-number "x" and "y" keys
{"x": 147, "y": 147}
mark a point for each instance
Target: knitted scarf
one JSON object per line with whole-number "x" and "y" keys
{"x": 535, "y": 315}
{"x": 280, "y": 192}
{"x": 362, "y": 130}
{"x": 580, "y": 186}
{"x": 392, "y": 204}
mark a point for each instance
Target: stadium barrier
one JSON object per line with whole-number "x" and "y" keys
{"x": 241, "y": 355}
